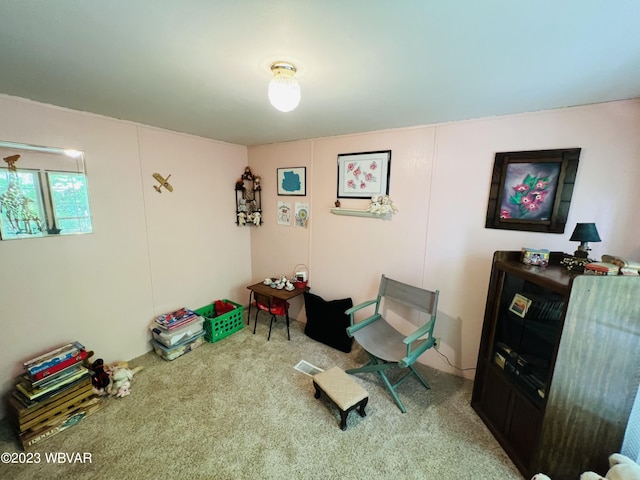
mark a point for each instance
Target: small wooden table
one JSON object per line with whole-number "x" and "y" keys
{"x": 281, "y": 294}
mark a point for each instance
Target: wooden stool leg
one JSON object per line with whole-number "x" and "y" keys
{"x": 361, "y": 406}
{"x": 317, "y": 394}
{"x": 343, "y": 419}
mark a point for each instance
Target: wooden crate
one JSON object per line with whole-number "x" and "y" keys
{"x": 54, "y": 415}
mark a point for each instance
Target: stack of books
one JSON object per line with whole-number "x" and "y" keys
{"x": 601, "y": 268}
{"x": 53, "y": 393}
{"x": 173, "y": 320}
{"x": 52, "y": 363}
{"x": 177, "y": 333}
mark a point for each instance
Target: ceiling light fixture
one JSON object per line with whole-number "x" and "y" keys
{"x": 284, "y": 90}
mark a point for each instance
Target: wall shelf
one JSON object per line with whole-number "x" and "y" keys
{"x": 248, "y": 199}
{"x": 359, "y": 213}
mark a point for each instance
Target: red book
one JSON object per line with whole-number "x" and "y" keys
{"x": 50, "y": 370}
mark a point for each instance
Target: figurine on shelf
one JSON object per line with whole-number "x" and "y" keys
{"x": 247, "y": 175}
{"x": 382, "y": 205}
{"x": 242, "y": 218}
{"x": 256, "y": 182}
{"x": 256, "y": 218}
{"x": 240, "y": 184}
{"x": 337, "y": 204}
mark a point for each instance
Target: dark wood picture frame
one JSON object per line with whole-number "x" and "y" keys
{"x": 540, "y": 201}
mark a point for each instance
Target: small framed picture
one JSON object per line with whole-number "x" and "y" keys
{"x": 519, "y": 305}
{"x": 363, "y": 175}
{"x": 292, "y": 181}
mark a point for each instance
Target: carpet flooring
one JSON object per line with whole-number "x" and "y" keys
{"x": 237, "y": 409}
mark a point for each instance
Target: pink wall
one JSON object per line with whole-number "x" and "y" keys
{"x": 440, "y": 181}
{"x": 196, "y": 252}
{"x": 277, "y": 249}
{"x": 150, "y": 253}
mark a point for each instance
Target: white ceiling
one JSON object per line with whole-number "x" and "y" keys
{"x": 202, "y": 66}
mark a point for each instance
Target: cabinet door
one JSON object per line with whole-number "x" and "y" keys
{"x": 495, "y": 398}
{"x": 527, "y": 331}
{"x": 523, "y": 430}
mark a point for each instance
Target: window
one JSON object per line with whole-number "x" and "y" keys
{"x": 47, "y": 196}
{"x": 70, "y": 202}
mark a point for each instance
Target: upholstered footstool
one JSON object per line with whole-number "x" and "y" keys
{"x": 343, "y": 391}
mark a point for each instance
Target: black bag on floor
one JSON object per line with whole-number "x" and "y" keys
{"x": 326, "y": 321}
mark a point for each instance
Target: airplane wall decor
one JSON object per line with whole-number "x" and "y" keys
{"x": 164, "y": 182}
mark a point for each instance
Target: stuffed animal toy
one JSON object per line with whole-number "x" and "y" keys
{"x": 375, "y": 205}
{"x": 124, "y": 390}
{"x": 121, "y": 377}
{"x": 114, "y": 379}
{"x": 621, "y": 468}
{"x": 381, "y": 205}
{"x": 100, "y": 379}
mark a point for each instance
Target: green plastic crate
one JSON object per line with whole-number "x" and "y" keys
{"x": 217, "y": 327}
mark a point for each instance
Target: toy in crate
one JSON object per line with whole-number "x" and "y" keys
{"x": 222, "y": 318}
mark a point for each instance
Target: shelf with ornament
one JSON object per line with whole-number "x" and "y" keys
{"x": 248, "y": 199}
{"x": 380, "y": 206}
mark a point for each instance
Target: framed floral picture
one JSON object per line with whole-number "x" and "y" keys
{"x": 363, "y": 175}
{"x": 532, "y": 191}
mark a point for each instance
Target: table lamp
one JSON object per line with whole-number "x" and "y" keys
{"x": 584, "y": 233}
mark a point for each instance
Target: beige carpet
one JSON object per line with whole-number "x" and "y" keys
{"x": 237, "y": 409}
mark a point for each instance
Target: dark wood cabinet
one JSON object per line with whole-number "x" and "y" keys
{"x": 558, "y": 367}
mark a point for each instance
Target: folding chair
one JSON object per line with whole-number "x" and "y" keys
{"x": 387, "y": 347}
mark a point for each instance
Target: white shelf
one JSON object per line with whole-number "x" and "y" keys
{"x": 359, "y": 213}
